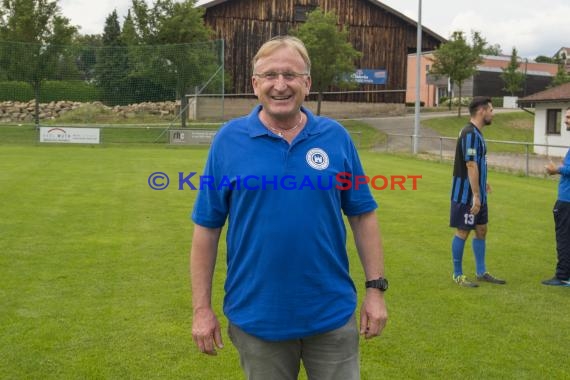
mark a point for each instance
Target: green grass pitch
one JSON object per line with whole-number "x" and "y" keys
{"x": 95, "y": 285}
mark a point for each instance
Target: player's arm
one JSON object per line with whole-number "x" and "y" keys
{"x": 473, "y": 175}
{"x": 562, "y": 169}
{"x": 368, "y": 240}
{"x": 552, "y": 168}
{"x": 206, "y": 330}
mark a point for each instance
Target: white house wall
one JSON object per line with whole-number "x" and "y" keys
{"x": 540, "y": 136}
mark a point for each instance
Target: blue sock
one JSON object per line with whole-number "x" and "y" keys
{"x": 457, "y": 247}
{"x": 479, "y": 250}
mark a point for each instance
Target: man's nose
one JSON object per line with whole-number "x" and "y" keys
{"x": 280, "y": 82}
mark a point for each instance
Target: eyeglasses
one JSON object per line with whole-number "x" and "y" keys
{"x": 288, "y": 76}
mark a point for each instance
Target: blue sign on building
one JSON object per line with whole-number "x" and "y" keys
{"x": 370, "y": 76}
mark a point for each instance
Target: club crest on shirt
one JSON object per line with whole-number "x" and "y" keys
{"x": 317, "y": 159}
{"x": 471, "y": 152}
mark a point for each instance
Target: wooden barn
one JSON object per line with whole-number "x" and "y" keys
{"x": 383, "y": 35}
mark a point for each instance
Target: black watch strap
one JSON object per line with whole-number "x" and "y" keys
{"x": 380, "y": 283}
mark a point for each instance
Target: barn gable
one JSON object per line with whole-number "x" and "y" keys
{"x": 383, "y": 35}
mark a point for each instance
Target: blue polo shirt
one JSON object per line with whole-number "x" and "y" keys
{"x": 564, "y": 184}
{"x": 287, "y": 265}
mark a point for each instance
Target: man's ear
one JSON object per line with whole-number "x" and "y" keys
{"x": 254, "y": 84}
{"x": 307, "y": 85}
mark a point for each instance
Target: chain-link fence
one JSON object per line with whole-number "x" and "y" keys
{"x": 511, "y": 156}
{"x": 117, "y": 84}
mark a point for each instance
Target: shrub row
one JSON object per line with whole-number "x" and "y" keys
{"x": 465, "y": 100}
{"x": 497, "y": 101}
{"x": 77, "y": 91}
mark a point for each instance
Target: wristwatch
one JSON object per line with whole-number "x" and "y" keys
{"x": 380, "y": 283}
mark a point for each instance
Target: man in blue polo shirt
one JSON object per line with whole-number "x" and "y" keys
{"x": 289, "y": 296}
{"x": 469, "y": 193}
{"x": 562, "y": 217}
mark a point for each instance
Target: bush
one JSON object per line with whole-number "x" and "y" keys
{"x": 16, "y": 91}
{"x": 78, "y": 91}
{"x": 465, "y": 100}
{"x": 497, "y": 101}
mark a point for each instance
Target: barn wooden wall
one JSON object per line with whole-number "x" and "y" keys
{"x": 384, "y": 39}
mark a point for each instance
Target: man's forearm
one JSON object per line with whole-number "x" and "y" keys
{"x": 368, "y": 242}
{"x": 202, "y": 263}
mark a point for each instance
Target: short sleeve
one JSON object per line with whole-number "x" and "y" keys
{"x": 212, "y": 203}
{"x": 356, "y": 200}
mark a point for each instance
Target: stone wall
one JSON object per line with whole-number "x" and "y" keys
{"x": 207, "y": 109}
{"x": 23, "y": 112}
{"x": 13, "y": 112}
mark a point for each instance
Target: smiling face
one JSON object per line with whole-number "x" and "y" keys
{"x": 280, "y": 95}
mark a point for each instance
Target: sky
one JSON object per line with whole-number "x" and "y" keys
{"x": 534, "y": 27}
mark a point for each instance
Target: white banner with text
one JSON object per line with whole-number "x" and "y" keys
{"x": 70, "y": 135}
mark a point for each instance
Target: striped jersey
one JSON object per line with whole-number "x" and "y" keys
{"x": 470, "y": 147}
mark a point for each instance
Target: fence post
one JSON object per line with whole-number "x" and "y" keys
{"x": 527, "y": 160}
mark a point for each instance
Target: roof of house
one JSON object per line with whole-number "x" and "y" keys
{"x": 375, "y": 2}
{"x": 559, "y": 93}
{"x": 560, "y": 50}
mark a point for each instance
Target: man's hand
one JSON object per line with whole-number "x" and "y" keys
{"x": 552, "y": 168}
{"x": 476, "y": 205}
{"x": 206, "y": 331}
{"x": 373, "y": 314}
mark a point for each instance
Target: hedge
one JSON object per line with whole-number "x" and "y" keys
{"x": 77, "y": 91}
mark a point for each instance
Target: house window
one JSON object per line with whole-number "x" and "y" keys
{"x": 553, "y": 121}
{"x": 301, "y": 12}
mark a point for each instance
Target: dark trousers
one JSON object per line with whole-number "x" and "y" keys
{"x": 561, "y": 213}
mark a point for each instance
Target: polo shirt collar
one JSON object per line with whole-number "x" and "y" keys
{"x": 256, "y": 127}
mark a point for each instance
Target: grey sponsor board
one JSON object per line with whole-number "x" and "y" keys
{"x": 191, "y": 136}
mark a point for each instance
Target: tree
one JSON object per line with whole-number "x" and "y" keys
{"x": 187, "y": 58}
{"x": 86, "y": 59}
{"x": 512, "y": 77}
{"x": 42, "y": 35}
{"x": 544, "y": 59}
{"x": 129, "y": 33}
{"x": 332, "y": 56}
{"x": 458, "y": 60}
{"x": 494, "y": 49}
{"x": 112, "y": 63}
{"x": 561, "y": 76}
